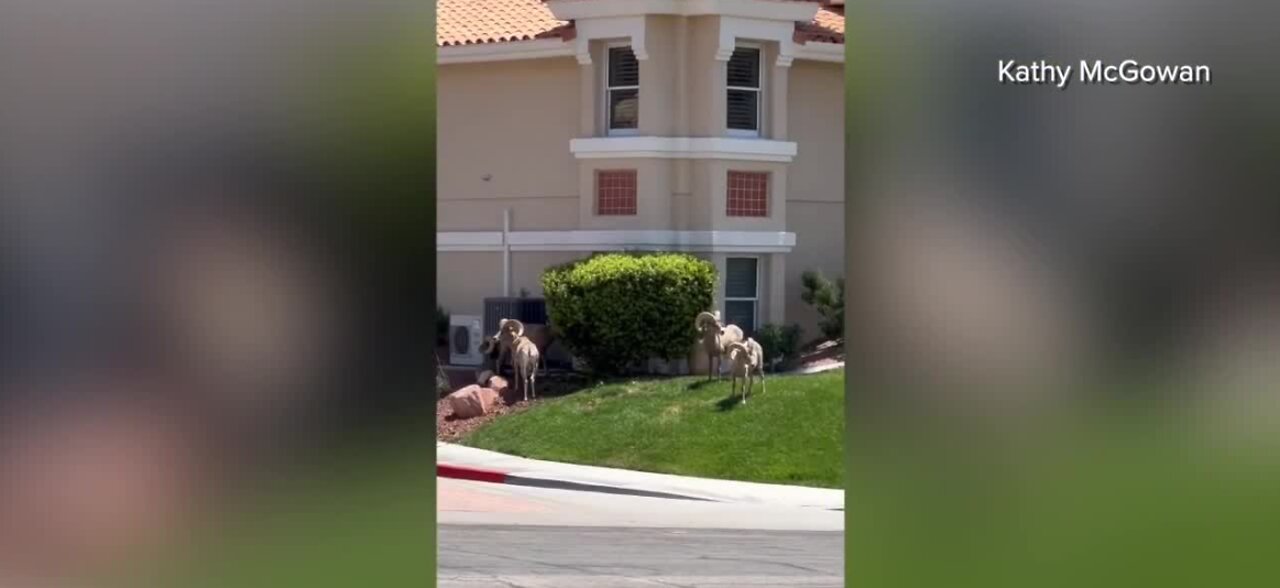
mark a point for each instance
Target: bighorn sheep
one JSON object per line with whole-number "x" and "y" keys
{"x": 747, "y": 360}
{"x": 716, "y": 338}
{"x": 525, "y": 365}
{"x": 511, "y": 344}
{"x": 500, "y": 346}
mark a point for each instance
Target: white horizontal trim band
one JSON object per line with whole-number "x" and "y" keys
{"x": 818, "y": 51}
{"x": 504, "y": 51}
{"x": 683, "y": 148}
{"x": 652, "y": 240}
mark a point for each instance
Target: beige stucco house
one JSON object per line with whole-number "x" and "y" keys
{"x": 568, "y": 127}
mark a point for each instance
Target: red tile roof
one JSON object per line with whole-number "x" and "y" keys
{"x": 470, "y": 22}
{"x": 467, "y": 22}
{"x": 827, "y": 26}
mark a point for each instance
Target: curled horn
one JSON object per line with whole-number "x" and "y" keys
{"x": 738, "y": 346}
{"x": 517, "y": 326}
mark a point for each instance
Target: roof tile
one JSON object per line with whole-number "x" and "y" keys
{"x": 469, "y": 22}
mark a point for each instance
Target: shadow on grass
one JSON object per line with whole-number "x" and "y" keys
{"x": 729, "y": 403}
{"x": 700, "y": 384}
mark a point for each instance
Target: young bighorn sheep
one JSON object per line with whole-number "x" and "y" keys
{"x": 525, "y": 365}
{"x": 716, "y": 338}
{"x": 747, "y": 360}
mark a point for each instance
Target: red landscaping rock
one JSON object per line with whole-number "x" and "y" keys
{"x": 472, "y": 401}
{"x": 500, "y": 385}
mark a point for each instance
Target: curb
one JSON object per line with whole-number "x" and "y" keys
{"x": 495, "y": 477}
{"x": 473, "y": 474}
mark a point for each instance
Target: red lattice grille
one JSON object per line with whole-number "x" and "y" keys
{"x": 616, "y": 192}
{"x": 748, "y": 194}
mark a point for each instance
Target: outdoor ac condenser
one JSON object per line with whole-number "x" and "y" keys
{"x": 466, "y": 332}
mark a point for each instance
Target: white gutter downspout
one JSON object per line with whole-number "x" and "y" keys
{"x": 506, "y": 252}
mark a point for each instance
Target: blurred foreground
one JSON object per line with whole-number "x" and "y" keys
{"x": 215, "y": 249}
{"x": 1066, "y": 302}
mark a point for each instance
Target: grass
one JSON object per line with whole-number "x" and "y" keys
{"x": 793, "y": 433}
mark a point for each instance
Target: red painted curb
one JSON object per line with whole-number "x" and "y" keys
{"x": 474, "y": 474}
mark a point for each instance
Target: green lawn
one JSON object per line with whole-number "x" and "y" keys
{"x": 791, "y": 434}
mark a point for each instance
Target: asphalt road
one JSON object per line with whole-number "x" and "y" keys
{"x": 500, "y": 536}
{"x": 538, "y": 556}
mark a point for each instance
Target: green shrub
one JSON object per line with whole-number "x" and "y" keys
{"x": 442, "y": 326}
{"x": 615, "y": 310}
{"x": 442, "y": 379}
{"x": 828, "y": 299}
{"x": 781, "y": 344}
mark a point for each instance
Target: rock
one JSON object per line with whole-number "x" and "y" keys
{"x": 490, "y": 399}
{"x": 504, "y": 390}
{"x": 483, "y": 377}
{"x": 498, "y": 384}
{"x": 472, "y": 401}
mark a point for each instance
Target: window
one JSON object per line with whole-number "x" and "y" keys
{"x": 622, "y": 91}
{"x": 743, "y": 96}
{"x": 741, "y": 293}
{"x": 616, "y": 192}
{"x": 748, "y": 194}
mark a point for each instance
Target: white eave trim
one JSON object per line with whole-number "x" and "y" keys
{"x": 504, "y": 51}
{"x": 636, "y": 240}
{"x": 762, "y": 9}
{"x": 818, "y": 51}
{"x": 469, "y": 241}
{"x": 683, "y": 148}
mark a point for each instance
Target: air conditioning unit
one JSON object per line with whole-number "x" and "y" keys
{"x": 466, "y": 333}
{"x": 530, "y": 311}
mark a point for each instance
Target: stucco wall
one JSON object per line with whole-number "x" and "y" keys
{"x": 510, "y": 122}
{"x": 816, "y": 196}
{"x": 464, "y": 279}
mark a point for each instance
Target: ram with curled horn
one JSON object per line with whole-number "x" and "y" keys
{"x": 715, "y": 337}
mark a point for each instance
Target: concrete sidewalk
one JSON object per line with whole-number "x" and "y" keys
{"x": 478, "y": 464}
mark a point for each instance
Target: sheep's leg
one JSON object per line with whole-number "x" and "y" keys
{"x": 533, "y": 383}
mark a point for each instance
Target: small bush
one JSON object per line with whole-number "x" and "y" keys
{"x": 614, "y": 311}
{"x": 442, "y": 379}
{"x": 442, "y": 326}
{"x": 781, "y": 344}
{"x": 828, "y": 299}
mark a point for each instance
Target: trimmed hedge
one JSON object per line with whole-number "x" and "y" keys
{"x": 615, "y": 311}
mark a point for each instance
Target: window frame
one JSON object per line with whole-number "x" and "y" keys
{"x": 608, "y": 92}
{"x": 755, "y": 300}
{"x": 745, "y": 133}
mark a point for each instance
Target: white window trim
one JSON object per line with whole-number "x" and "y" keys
{"x": 755, "y": 301}
{"x": 743, "y": 133}
{"x": 734, "y": 148}
{"x": 743, "y": 242}
{"x": 608, "y": 93}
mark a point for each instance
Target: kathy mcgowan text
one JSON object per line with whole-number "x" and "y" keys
{"x": 1129, "y": 71}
